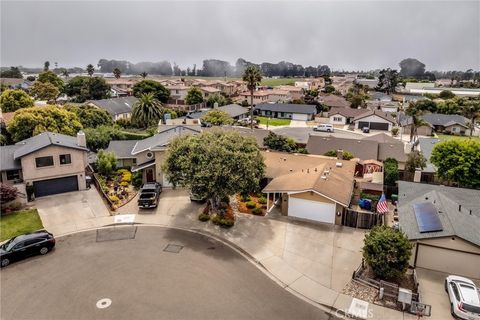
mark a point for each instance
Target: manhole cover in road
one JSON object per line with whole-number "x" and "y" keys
{"x": 173, "y": 248}
{"x": 104, "y": 303}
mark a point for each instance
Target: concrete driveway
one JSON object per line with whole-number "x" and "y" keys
{"x": 71, "y": 211}
{"x": 298, "y": 124}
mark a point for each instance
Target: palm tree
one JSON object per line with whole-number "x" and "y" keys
{"x": 117, "y": 73}
{"x": 471, "y": 110}
{"x": 90, "y": 70}
{"x": 147, "y": 110}
{"x": 252, "y": 76}
{"x": 143, "y": 74}
{"x": 416, "y": 114}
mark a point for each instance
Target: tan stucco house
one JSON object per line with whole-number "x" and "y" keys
{"x": 443, "y": 224}
{"x": 49, "y": 162}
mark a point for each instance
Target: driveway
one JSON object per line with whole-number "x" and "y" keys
{"x": 300, "y": 135}
{"x": 71, "y": 211}
{"x": 129, "y": 265}
{"x": 298, "y": 123}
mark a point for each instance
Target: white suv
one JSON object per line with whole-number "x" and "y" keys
{"x": 324, "y": 128}
{"x": 464, "y": 298}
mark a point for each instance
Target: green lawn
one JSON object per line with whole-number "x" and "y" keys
{"x": 277, "y": 82}
{"x": 445, "y": 137}
{"x": 19, "y": 222}
{"x": 273, "y": 122}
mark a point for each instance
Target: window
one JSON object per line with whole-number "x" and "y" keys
{"x": 65, "y": 159}
{"x": 44, "y": 161}
{"x": 337, "y": 119}
{"x": 13, "y": 174}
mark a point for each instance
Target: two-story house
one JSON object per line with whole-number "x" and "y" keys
{"x": 49, "y": 162}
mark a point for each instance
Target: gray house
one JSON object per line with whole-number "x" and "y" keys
{"x": 451, "y": 123}
{"x": 302, "y": 112}
{"x": 118, "y": 108}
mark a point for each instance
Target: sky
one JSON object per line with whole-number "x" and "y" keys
{"x": 346, "y": 35}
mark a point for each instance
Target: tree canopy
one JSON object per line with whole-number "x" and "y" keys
{"x": 387, "y": 252}
{"x": 44, "y": 91}
{"x": 13, "y": 100}
{"x": 106, "y": 163}
{"x": 412, "y": 68}
{"x": 14, "y": 72}
{"x": 51, "y": 77}
{"x": 217, "y": 98}
{"x": 280, "y": 143}
{"x": 81, "y": 89}
{"x": 458, "y": 161}
{"x": 160, "y": 93}
{"x": 217, "y": 118}
{"x": 29, "y": 122}
{"x": 390, "y": 168}
{"x": 194, "y": 96}
{"x": 99, "y": 137}
{"x": 415, "y": 160}
{"x": 91, "y": 117}
{"x": 147, "y": 111}
{"x": 215, "y": 163}
{"x": 387, "y": 81}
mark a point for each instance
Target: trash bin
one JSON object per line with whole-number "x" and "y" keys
{"x": 88, "y": 181}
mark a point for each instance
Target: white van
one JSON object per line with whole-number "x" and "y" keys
{"x": 324, "y": 127}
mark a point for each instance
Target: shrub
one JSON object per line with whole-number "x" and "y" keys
{"x": 203, "y": 217}
{"x": 137, "y": 179}
{"x": 387, "y": 252}
{"x": 245, "y": 197}
{"x": 257, "y": 211}
{"x": 395, "y": 131}
{"x": 223, "y": 222}
{"x": 124, "y": 184}
{"x": 113, "y": 198}
{"x": 373, "y": 197}
{"x": 250, "y": 205}
{"x": 124, "y": 123}
{"x": 262, "y": 200}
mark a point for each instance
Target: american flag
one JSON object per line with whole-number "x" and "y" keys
{"x": 382, "y": 206}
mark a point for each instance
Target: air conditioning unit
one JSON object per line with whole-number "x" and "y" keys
{"x": 404, "y": 296}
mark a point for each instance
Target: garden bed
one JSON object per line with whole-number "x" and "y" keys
{"x": 255, "y": 204}
{"x": 118, "y": 188}
{"x": 225, "y": 217}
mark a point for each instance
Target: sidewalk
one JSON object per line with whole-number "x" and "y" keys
{"x": 313, "y": 261}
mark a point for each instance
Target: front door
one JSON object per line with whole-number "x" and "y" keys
{"x": 149, "y": 174}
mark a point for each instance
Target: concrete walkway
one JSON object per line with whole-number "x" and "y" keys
{"x": 313, "y": 261}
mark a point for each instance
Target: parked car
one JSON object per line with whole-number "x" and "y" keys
{"x": 324, "y": 127}
{"x": 150, "y": 195}
{"x": 25, "y": 245}
{"x": 464, "y": 298}
{"x": 246, "y": 121}
{"x": 365, "y": 129}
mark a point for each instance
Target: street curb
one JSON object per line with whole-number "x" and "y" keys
{"x": 325, "y": 308}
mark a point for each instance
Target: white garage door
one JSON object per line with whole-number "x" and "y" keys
{"x": 449, "y": 261}
{"x": 312, "y": 210}
{"x": 165, "y": 182}
{"x": 300, "y": 116}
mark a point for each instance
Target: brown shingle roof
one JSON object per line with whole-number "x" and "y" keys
{"x": 299, "y": 172}
{"x": 335, "y": 101}
{"x": 346, "y": 112}
{"x": 360, "y": 148}
{"x": 384, "y": 115}
{"x": 382, "y": 137}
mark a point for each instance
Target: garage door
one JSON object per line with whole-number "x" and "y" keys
{"x": 54, "y": 186}
{"x": 448, "y": 261}
{"x": 312, "y": 210}
{"x": 373, "y": 125}
{"x": 300, "y": 116}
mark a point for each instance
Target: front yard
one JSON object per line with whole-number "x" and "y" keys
{"x": 273, "y": 121}
{"x": 19, "y": 222}
{"x": 118, "y": 187}
{"x": 445, "y": 137}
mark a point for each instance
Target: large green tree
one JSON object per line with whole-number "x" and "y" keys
{"x": 147, "y": 111}
{"x": 90, "y": 70}
{"x": 117, "y": 73}
{"x": 471, "y": 110}
{"x": 81, "y": 89}
{"x": 415, "y": 111}
{"x": 161, "y": 93}
{"x": 12, "y": 100}
{"x": 44, "y": 91}
{"x": 194, "y": 96}
{"x": 252, "y": 76}
{"x": 29, "y": 122}
{"x": 279, "y": 143}
{"x": 99, "y": 137}
{"x": 217, "y": 98}
{"x": 387, "y": 252}
{"x": 51, "y": 77}
{"x": 390, "y": 168}
{"x": 217, "y": 118}
{"x": 458, "y": 161}
{"x": 91, "y": 117}
{"x": 415, "y": 160}
{"x": 215, "y": 163}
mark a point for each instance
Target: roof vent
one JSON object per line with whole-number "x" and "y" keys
{"x": 324, "y": 177}
{"x": 339, "y": 164}
{"x": 326, "y": 171}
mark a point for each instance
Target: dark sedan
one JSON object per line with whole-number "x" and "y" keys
{"x": 25, "y": 245}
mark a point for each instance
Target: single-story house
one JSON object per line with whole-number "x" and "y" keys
{"x": 309, "y": 187}
{"x": 303, "y": 112}
{"x": 375, "y": 120}
{"x": 343, "y": 116}
{"x": 147, "y": 155}
{"x": 14, "y": 83}
{"x": 385, "y": 106}
{"x": 334, "y": 101}
{"x": 235, "y": 111}
{"x": 405, "y": 123}
{"x": 380, "y": 96}
{"x": 443, "y": 223}
{"x": 118, "y": 108}
{"x": 50, "y": 162}
{"x": 451, "y": 123}
{"x": 120, "y": 92}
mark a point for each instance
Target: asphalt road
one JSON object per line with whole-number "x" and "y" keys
{"x": 300, "y": 135}
{"x": 128, "y": 265}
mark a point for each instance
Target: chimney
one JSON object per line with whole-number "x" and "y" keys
{"x": 81, "y": 140}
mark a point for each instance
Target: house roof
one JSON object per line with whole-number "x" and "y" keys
{"x": 426, "y": 147}
{"x": 391, "y": 150}
{"x": 437, "y": 119}
{"x": 258, "y": 134}
{"x": 44, "y": 140}
{"x": 116, "y": 106}
{"x": 458, "y": 210}
{"x": 13, "y": 82}
{"x": 360, "y": 148}
{"x": 7, "y": 161}
{"x": 419, "y": 85}
{"x": 233, "y": 110}
{"x": 346, "y": 112}
{"x": 210, "y": 89}
{"x": 299, "y": 172}
{"x": 288, "y": 107}
{"x": 333, "y": 100}
{"x": 384, "y": 115}
{"x": 161, "y": 139}
{"x": 122, "y": 148}
{"x": 382, "y": 137}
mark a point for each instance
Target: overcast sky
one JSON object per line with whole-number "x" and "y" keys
{"x": 353, "y": 35}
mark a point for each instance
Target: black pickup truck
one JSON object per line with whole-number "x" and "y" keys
{"x": 149, "y": 195}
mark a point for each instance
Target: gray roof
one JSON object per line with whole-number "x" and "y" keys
{"x": 233, "y": 110}
{"x": 384, "y": 115}
{"x": 458, "y": 210}
{"x": 162, "y": 138}
{"x": 426, "y": 146}
{"x": 445, "y": 120}
{"x": 360, "y": 148}
{"x": 115, "y": 106}
{"x": 346, "y": 112}
{"x": 43, "y": 140}
{"x": 7, "y": 162}
{"x": 382, "y": 137}
{"x": 122, "y": 148}
{"x": 288, "y": 107}
{"x": 391, "y": 150}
